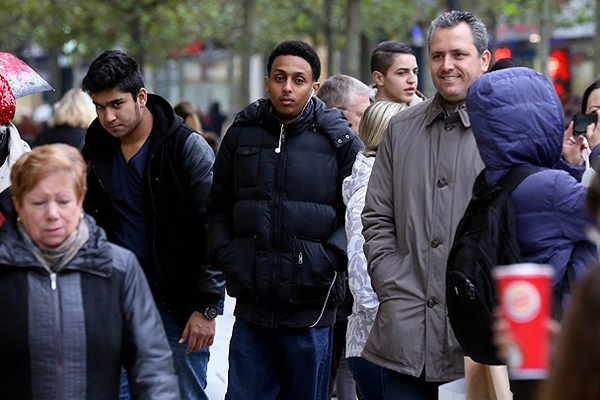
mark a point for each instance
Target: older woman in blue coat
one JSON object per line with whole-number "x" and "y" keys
{"x": 517, "y": 119}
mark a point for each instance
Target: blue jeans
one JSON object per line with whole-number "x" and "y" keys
{"x": 278, "y": 364}
{"x": 370, "y": 378}
{"x": 189, "y": 368}
{"x": 405, "y": 387}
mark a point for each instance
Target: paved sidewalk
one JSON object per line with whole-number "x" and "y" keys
{"x": 218, "y": 364}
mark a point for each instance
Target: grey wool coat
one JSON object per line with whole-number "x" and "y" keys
{"x": 420, "y": 187}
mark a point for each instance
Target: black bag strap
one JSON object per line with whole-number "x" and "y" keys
{"x": 515, "y": 176}
{"x": 508, "y": 182}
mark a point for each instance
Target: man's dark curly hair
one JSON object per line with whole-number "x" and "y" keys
{"x": 299, "y": 49}
{"x": 113, "y": 69}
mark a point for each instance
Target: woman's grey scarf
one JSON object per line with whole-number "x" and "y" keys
{"x": 53, "y": 260}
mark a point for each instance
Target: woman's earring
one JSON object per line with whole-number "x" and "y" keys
{"x": 18, "y": 218}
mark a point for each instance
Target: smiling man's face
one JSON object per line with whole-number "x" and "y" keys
{"x": 455, "y": 63}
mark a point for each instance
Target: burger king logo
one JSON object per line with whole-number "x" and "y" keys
{"x": 522, "y": 301}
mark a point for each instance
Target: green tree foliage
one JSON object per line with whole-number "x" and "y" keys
{"x": 154, "y": 30}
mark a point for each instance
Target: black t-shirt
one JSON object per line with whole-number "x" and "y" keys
{"x": 130, "y": 225}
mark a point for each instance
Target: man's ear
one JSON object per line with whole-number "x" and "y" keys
{"x": 379, "y": 78}
{"x": 315, "y": 86}
{"x": 267, "y": 84}
{"x": 142, "y": 97}
{"x": 486, "y": 57}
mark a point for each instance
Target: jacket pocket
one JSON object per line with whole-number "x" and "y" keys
{"x": 314, "y": 277}
{"x": 247, "y": 162}
{"x": 239, "y": 268}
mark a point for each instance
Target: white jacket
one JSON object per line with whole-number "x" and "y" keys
{"x": 365, "y": 304}
{"x": 16, "y": 148}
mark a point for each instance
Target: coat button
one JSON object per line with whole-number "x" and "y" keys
{"x": 339, "y": 140}
{"x": 435, "y": 243}
{"x": 441, "y": 183}
{"x": 448, "y": 127}
{"x": 431, "y": 303}
{"x": 347, "y": 136}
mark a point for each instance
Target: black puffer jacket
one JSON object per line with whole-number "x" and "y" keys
{"x": 276, "y": 215}
{"x": 66, "y": 335}
{"x": 177, "y": 178}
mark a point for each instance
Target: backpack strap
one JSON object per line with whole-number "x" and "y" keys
{"x": 515, "y": 176}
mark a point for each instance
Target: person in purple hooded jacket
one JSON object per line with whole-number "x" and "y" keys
{"x": 517, "y": 119}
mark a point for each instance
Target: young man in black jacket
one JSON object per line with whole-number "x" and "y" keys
{"x": 276, "y": 229}
{"x": 149, "y": 175}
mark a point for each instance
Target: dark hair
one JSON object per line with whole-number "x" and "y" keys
{"x": 454, "y": 18}
{"x": 299, "y": 49}
{"x": 506, "y": 63}
{"x": 586, "y": 95}
{"x": 384, "y": 54}
{"x": 113, "y": 69}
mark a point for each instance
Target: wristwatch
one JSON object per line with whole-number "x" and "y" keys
{"x": 211, "y": 312}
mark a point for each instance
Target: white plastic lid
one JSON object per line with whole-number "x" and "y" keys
{"x": 525, "y": 269}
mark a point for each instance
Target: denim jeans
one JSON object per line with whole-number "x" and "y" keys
{"x": 278, "y": 364}
{"x": 405, "y": 387}
{"x": 189, "y": 368}
{"x": 370, "y": 378}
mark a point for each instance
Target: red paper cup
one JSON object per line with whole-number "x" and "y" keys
{"x": 525, "y": 299}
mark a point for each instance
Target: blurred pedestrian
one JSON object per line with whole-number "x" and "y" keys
{"x": 28, "y": 128}
{"x": 347, "y": 94}
{"x": 12, "y": 147}
{"x": 216, "y": 118}
{"x": 370, "y": 378}
{"x": 149, "y": 178}
{"x": 395, "y": 72}
{"x": 73, "y": 114}
{"x": 420, "y": 186}
{"x": 56, "y": 268}
{"x": 188, "y": 111}
{"x": 352, "y": 97}
{"x": 276, "y": 227}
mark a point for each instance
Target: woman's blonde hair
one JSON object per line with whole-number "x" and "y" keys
{"x": 46, "y": 160}
{"x": 375, "y": 121}
{"x": 75, "y": 109}
{"x": 188, "y": 111}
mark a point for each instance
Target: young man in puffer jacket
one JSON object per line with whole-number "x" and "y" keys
{"x": 276, "y": 229}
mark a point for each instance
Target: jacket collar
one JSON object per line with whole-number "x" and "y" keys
{"x": 316, "y": 117}
{"x": 437, "y": 110}
{"x": 93, "y": 258}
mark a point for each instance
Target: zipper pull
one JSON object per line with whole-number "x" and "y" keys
{"x": 53, "y": 281}
{"x": 470, "y": 290}
{"x": 281, "y": 139}
{"x": 300, "y": 258}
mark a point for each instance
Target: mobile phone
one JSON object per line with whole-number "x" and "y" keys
{"x": 581, "y": 122}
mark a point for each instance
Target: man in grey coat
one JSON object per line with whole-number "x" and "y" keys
{"x": 419, "y": 189}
